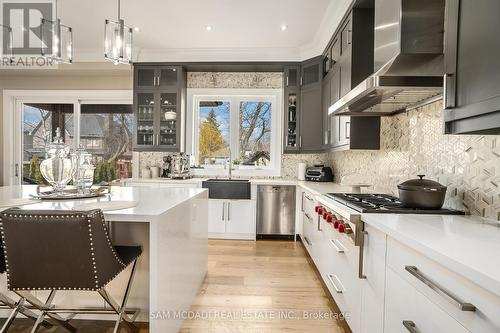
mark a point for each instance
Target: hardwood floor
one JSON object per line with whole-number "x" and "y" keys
{"x": 272, "y": 282}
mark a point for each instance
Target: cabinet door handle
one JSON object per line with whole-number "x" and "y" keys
{"x": 349, "y": 39}
{"x": 302, "y": 202}
{"x": 308, "y": 217}
{"x": 300, "y": 141}
{"x": 337, "y": 248}
{"x": 223, "y": 211}
{"x": 449, "y": 91}
{"x": 301, "y": 80}
{"x": 308, "y": 197}
{"x": 319, "y": 223}
{"x": 410, "y": 326}
{"x": 229, "y": 211}
{"x": 331, "y": 277}
{"x": 307, "y": 241}
{"x": 287, "y": 80}
{"x": 361, "y": 266}
{"x": 463, "y": 306}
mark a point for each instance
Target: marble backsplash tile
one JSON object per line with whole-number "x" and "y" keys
{"x": 412, "y": 143}
{"x": 242, "y": 80}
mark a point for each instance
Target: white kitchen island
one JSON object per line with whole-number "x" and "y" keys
{"x": 171, "y": 226}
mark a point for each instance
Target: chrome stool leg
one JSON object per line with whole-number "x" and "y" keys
{"x": 18, "y": 307}
{"x": 12, "y": 315}
{"x": 42, "y": 315}
{"x": 54, "y": 318}
{"x": 121, "y": 311}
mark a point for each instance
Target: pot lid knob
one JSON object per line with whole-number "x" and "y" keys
{"x": 421, "y": 176}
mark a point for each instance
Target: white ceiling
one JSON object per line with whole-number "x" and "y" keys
{"x": 174, "y": 30}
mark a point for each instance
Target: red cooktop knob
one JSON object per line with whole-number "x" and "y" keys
{"x": 336, "y": 224}
{"x": 325, "y": 214}
{"x": 316, "y": 209}
{"x": 341, "y": 228}
{"x": 320, "y": 211}
{"x": 329, "y": 218}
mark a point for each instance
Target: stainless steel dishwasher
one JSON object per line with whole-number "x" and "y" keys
{"x": 275, "y": 210}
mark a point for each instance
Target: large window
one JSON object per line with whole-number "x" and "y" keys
{"x": 243, "y": 125}
{"x": 105, "y": 130}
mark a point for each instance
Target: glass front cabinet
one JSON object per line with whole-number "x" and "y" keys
{"x": 292, "y": 116}
{"x": 159, "y": 101}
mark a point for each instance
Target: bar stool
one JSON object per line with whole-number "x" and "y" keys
{"x": 65, "y": 250}
{"x": 9, "y": 303}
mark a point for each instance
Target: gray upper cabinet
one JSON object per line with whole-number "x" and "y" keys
{"x": 159, "y": 101}
{"x": 303, "y": 109}
{"x": 311, "y": 129}
{"x": 292, "y": 108}
{"x": 351, "y": 61}
{"x": 345, "y": 60}
{"x": 472, "y": 65}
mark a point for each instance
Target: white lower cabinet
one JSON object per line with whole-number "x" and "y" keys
{"x": 373, "y": 285}
{"x": 449, "y": 291}
{"x": 231, "y": 219}
{"x": 337, "y": 261}
{"x": 241, "y": 217}
{"x": 216, "y": 216}
{"x": 407, "y": 310}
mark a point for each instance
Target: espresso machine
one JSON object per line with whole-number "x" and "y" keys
{"x": 176, "y": 166}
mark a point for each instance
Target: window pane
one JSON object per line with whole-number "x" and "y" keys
{"x": 39, "y": 125}
{"x": 255, "y": 133}
{"x": 106, "y": 133}
{"x": 214, "y": 133}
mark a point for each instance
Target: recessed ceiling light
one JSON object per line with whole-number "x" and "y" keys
{"x": 208, "y": 27}
{"x": 137, "y": 29}
{"x": 284, "y": 27}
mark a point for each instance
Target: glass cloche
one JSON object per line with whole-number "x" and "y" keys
{"x": 57, "y": 168}
{"x": 83, "y": 177}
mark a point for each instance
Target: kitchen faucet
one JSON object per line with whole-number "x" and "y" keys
{"x": 230, "y": 164}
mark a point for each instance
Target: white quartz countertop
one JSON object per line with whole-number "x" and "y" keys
{"x": 151, "y": 202}
{"x": 467, "y": 245}
{"x": 316, "y": 188}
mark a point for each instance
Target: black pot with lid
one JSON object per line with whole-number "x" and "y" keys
{"x": 422, "y": 193}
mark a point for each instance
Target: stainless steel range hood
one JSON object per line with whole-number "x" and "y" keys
{"x": 408, "y": 60}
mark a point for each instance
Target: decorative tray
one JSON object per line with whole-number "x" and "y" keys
{"x": 70, "y": 193}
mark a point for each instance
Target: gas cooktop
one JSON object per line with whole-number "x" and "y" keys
{"x": 383, "y": 203}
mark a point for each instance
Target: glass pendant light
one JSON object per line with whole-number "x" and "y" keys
{"x": 6, "y": 46}
{"x": 60, "y": 37}
{"x": 117, "y": 41}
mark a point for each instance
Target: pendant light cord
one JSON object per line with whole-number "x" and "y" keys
{"x": 119, "y": 4}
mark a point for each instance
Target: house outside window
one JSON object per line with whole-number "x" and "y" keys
{"x": 105, "y": 131}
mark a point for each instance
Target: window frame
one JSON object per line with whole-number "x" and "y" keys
{"x": 12, "y": 120}
{"x": 235, "y": 96}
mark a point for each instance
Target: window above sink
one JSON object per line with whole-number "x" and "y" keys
{"x": 243, "y": 125}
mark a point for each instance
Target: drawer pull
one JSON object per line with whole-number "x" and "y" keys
{"x": 410, "y": 326}
{"x": 337, "y": 248}
{"x": 308, "y": 216}
{"x": 331, "y": 277}
{"x": 440, "y": 290}
{"x": 307, "y": 241}
{"x": 308, "y": 197}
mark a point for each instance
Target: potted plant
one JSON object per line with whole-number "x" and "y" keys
{"x": 236, "y": 164}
